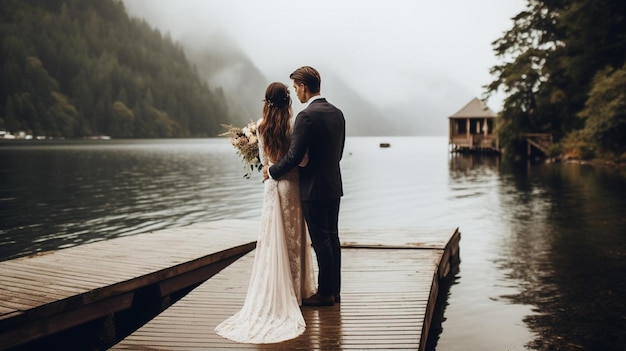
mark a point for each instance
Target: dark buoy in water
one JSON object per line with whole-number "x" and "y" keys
{"x": 385, "y": 145}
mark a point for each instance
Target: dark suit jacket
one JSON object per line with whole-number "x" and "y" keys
{"x": 319, "y": 129}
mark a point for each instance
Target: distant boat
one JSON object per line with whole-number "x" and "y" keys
{"x": 6, "y": 135}
{"x": 385, "y": 145}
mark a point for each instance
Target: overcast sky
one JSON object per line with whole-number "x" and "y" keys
{"x": 391, "y": 51}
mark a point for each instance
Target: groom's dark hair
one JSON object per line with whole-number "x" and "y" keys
{"x": 309, "y": 76}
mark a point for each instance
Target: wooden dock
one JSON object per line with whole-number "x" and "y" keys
{"x": 106, "y": 283}
{"x": 390, "y": 280}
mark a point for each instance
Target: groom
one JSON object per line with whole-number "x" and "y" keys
{"x": 319, "y": 130}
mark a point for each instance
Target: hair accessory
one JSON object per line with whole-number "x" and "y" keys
{"x": 269, "y": 102}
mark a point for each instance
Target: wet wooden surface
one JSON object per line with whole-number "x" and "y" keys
{"x": 389, "y": 288}
{"x": 53, "y": 291}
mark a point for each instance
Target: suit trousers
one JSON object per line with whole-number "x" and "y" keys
{"x": 322, "y": 219}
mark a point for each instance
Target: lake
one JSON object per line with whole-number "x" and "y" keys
{"x": 543, "y": 246}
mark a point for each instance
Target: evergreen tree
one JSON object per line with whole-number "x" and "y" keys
{"x": 76, "y": 68}
{"x": 551, "y": 55}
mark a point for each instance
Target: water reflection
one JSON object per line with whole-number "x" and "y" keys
{"x": 552, "y": 239}
{"x": 543, "y": 247}
{"x": 567, "y": 249}
{"x": 476, "y": 311}
{"x": 57, "y": 196}
{"x": 471, "y": 173}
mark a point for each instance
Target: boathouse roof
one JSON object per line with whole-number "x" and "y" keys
{"x": 475, "y": 109}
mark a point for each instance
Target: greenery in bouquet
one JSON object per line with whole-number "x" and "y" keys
{"x": 246, "y": 142}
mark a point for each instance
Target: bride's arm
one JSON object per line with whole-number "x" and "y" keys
{"x": 262, "y": 155}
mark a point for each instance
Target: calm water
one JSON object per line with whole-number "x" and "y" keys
{"x": 543, "y": 247}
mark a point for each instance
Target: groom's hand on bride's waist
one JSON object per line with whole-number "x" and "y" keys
{"x": 266, "y": 173}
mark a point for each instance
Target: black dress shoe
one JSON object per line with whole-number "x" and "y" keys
{"x": 319, "y": 300}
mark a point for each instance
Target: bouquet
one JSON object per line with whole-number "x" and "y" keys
{"x": 246, "y": 142}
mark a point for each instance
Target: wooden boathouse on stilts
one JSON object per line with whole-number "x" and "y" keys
{"x": 472, "y": 129}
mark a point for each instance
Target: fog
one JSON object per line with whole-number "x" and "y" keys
{"x": 409, "y": 64}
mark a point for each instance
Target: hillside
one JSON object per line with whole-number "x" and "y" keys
{"x": 81, "y": 68}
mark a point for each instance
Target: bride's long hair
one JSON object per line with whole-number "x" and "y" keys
{"x": 275, "y": 126}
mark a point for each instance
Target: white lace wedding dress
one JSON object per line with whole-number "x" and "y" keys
{"x": 282, "y": 273}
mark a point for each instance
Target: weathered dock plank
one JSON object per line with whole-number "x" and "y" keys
{"x": 389, "y": 287}
{"x": 47, "y": 293}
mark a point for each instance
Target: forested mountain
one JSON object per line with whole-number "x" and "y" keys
{"x": 225, "y": 65}
{"x": 74, "y": 68}
{"x": 564, "y": 73}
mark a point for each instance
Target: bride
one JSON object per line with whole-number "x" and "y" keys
{"x": 282, "y": 273}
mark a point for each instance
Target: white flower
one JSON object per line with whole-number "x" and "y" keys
{"x": 245, "y": 141}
